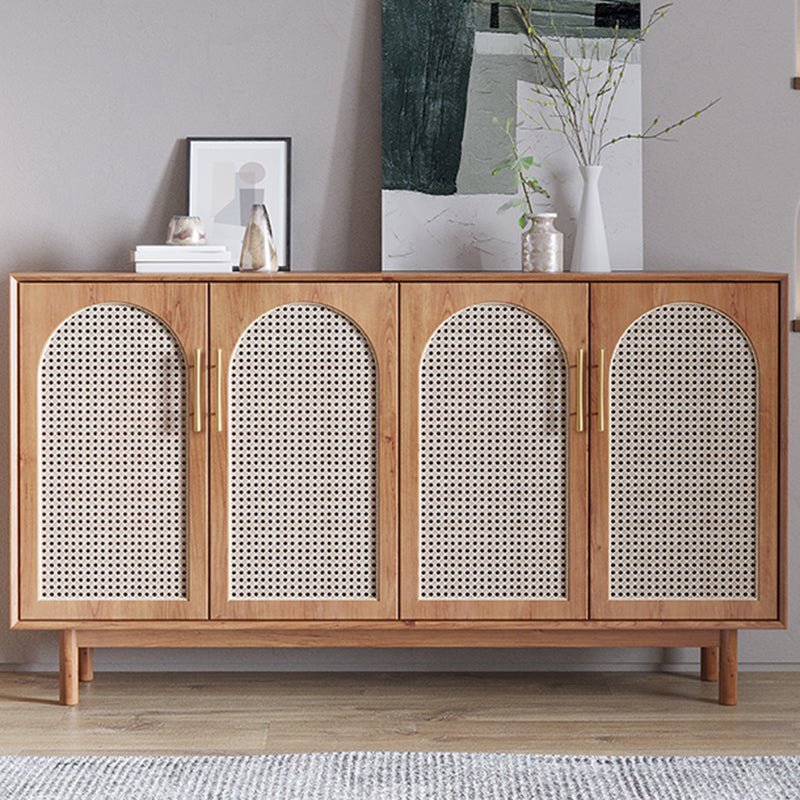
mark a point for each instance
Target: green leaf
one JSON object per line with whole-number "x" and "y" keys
{"x": 517, "y": 202}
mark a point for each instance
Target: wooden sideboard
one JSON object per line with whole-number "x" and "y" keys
{"x": 398, "y": 460}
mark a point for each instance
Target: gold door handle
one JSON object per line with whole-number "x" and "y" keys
{"x": 198, "y": 397}
{"x": 219, "y": 391}
{"x": 579, "y": 400}
{"x": 601, "y": 392}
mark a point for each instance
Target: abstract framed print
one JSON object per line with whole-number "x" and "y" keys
{"x": 227, "y": 176}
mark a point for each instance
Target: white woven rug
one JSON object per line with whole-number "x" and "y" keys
{"x": 410, "y": 776}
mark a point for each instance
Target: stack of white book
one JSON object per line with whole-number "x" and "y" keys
{"x": 182, "y": 258}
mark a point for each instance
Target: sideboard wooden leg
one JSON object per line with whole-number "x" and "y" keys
{"x": 68, "y": 668}
{"x": 85, "y": 664}
{"x": 709, "y": 663}
{"x": 728, "y": 668}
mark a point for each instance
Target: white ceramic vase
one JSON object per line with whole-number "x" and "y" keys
{"x": 590, "y": 253}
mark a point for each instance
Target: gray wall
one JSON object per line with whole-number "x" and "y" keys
{"x": 98, "y": 97}
{"x": 725, "y": 195}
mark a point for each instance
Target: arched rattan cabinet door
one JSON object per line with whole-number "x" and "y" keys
{"x": 687, "y": 503}
{"x": 305, "y": 527}
{"x": 113, "y": 497}
{"x": 494, "y": 464}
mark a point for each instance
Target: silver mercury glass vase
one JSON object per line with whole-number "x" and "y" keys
{"x": 542, "y": 245}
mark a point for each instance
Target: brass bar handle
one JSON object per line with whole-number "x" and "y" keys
{"x": 219, "y": 391}
{"x": 198, "y": 397}
{"x": 579, "y": 401}
{"x": 601, "y": 392}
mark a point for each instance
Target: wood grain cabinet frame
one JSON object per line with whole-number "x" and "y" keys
{"x": 495, "y": 451}
{"x": 390, "y": 460}
{"x": 316, "y": 450}
{"x": 92, "y": 496}
{"x": 686, "y": 473}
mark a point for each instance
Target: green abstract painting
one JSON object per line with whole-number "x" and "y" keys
{"x": 428, "y": 53}
{"x": 427, "y": 57}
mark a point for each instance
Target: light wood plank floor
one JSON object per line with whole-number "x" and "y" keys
{"x": 619, "y": 713}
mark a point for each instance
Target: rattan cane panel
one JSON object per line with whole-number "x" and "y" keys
{"x": 303, "y": 458}
{"x": 113, "y": 458}
{"x": 493, "y": 458}
{"x": 683, "y": 458}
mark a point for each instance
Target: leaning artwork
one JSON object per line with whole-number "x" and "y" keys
{"x": 453, "y": 72}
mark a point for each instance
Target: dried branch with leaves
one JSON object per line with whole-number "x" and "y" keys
{"x": 519, "y": 164}
{"x": 577, "y": 102}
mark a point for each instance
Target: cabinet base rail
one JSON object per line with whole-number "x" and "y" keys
{"x": 718, "y": 647}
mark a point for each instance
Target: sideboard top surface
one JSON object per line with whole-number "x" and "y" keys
{"x": 398, "y": 277}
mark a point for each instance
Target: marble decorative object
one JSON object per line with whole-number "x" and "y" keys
{"x": 258, "y": 246}
{"x": 186, "y": 230}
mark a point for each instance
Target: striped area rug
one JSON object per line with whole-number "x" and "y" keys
{"x": 410, "y": 776}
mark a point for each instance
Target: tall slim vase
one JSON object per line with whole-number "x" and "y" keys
{"x": 591, "y": 247}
